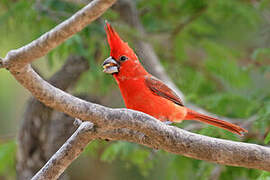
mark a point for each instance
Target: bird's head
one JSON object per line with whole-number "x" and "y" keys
{"x": 122, "y": 60}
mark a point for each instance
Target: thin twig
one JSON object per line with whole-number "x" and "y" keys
{"x": 216, "y": 172}
{"x": 1, "y": 62}
{"x": 55, "y": 15}
{"x": 182, "y": 25}
{"x": 67, "y": 153}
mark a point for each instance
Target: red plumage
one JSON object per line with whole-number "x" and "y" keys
{"x": 143, "y": 92}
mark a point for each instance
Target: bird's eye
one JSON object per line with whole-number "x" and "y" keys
{"x": 123, "y": 58}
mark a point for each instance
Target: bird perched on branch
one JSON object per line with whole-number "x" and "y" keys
{"x": 143, "y": 92}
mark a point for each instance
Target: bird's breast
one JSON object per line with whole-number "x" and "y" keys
{"x": 138, "y": 96}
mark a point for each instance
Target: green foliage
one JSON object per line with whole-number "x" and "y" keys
{"x": 264, "y": 176}
{"x": 7, "y": 159}
{"x": 260, "y": 54}
{"x": 267, "y": 139}
{"x": 129, "y": 153}
{"x": 93, "y": 148}
{"x": 179, "y": 167}
{"x": 264, "y": 115}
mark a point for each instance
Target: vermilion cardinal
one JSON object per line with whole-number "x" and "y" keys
{"x": 143, "y": 92}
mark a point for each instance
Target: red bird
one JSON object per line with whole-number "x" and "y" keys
{"x": 143, "y": 92}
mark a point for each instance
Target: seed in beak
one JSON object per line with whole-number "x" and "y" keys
{"x": 111, "y": 70}
{"x": 110, "y": 66}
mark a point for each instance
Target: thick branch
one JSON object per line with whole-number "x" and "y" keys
{"x": 84, "y": 135}
{"x": 33, "y": 146}
{"x": 69, "y": 72}
{"x": 78, "y": 141}
{"x": 41, "y": 46}
{"x": 121, "y": 134}
{"x": 169, "y": 138}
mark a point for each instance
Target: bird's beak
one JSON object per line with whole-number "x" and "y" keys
{"x": 110, "y": 66}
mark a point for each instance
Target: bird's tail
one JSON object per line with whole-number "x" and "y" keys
{"x": 192, "y": 115}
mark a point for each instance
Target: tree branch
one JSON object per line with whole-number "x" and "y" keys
{"x": 171, "y": 139}
{"x": 34, "y": 148}
{"x": 76, "y": 144}
{"x": 68, "y": 75}
{"x": 41, "y": 46}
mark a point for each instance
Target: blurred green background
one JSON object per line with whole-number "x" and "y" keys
{"x": 217, "y": 52}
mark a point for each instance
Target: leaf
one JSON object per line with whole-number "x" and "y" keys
{"x": 112, "y": 151}
{"x": 130, "y": 154}
{"x": 264, "y": 4}
{"x": 267, "y": 139}
{"x": 7, "y": 158}
{"x": 258, "y": 54}
{"x": 264, "y": 176}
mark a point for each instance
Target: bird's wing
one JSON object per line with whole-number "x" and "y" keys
{"x": 161, "y": 89}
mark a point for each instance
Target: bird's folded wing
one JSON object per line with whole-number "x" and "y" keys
{"x": 161, "y": 89}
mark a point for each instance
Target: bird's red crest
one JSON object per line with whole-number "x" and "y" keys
{"x": 117, "y": 45}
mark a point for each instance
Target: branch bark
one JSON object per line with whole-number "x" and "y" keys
{"x": 165, "y": 137}
{"x": 67, "y": 153}
{"x": 119, "y": 124}
{"x": 34, "y": 148}
{"x": 48, "y": 41}
{"x": 77, "y": 142}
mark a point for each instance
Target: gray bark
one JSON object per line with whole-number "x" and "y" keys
{"x": 40, "y": 135}
{"x": 48, "y": 41}
{"x": 171, "y": 139}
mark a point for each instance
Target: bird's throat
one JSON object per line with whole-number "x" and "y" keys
{"x": 130, "y": 72}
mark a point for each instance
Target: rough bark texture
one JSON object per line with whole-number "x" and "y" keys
{"x": 57, "y": 35}
{"x": 116, "y": 124}
{"x": 67, "y": 153}
{"x": 61, "y": 128}
{"x": 40, "y": 135}
{"x": 169, "y": 138}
